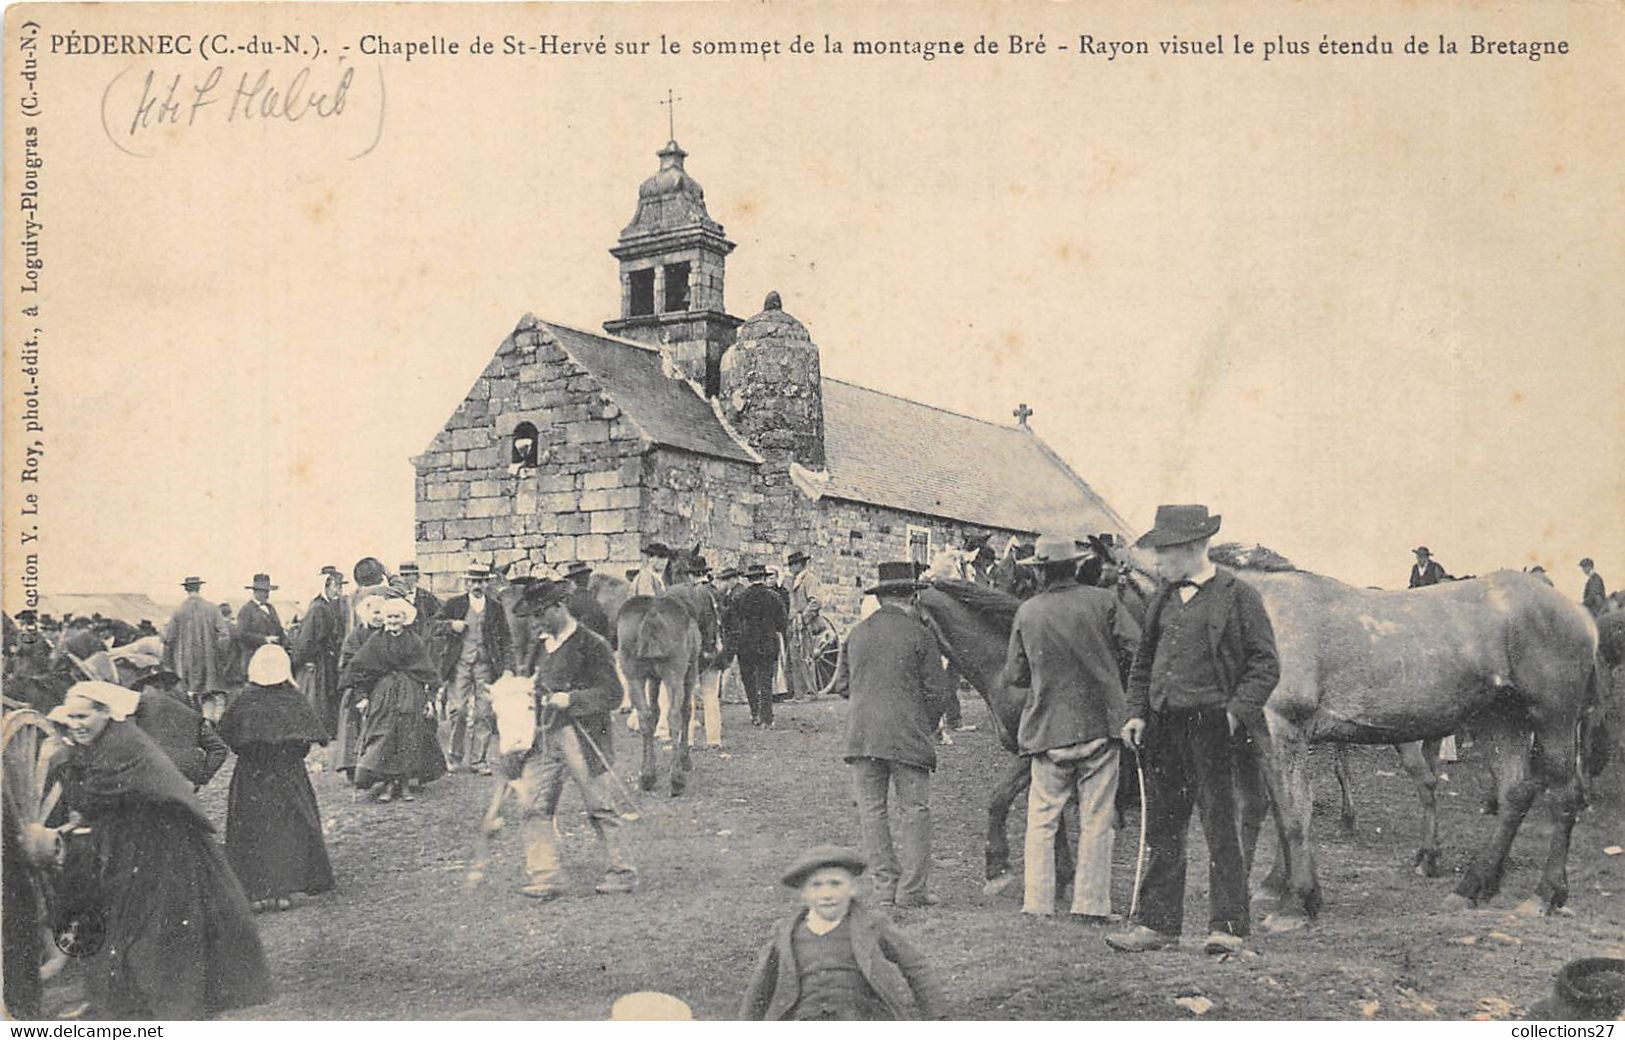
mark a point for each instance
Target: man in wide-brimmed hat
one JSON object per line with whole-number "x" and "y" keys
{"x": 892, "y": 672}
{"x": 1426, "y": 570}
{"x": 577, "y": 687}
{"x": 257, "y": 621}
{"x": 197, "y": 644}
{"x": 1205, "y": 667}
{"x": 471, "y": 644}
{"x": 584, "y": 605}
{"x": 757, "y": 619}
{"x": 1069, "y": 647}
{"x": 650, "y": 579}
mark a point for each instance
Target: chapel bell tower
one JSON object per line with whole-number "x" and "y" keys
{"x": 672, "y": 257}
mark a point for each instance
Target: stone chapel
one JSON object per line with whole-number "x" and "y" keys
{"x": 685, "y": 424}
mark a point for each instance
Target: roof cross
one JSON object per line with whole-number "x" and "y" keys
{"x": 671, "y": 114}
{"x": 1022, "y": 412}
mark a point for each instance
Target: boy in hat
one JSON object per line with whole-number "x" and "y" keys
{"x": 577, "y": 687}
{"x": 757, "y": 619}
{"x": 892, "y": 672}
{"x": 471, "y": 642}
{"x": 1067, "y": 648}
{"x": 1205, "y": 667}
{"x": 833, "y": 958}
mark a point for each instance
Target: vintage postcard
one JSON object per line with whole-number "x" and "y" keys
{"x": 814, "y": 511}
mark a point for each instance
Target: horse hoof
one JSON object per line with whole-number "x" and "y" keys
{"x": 647, "y": 782}
{"x": 1456, "y": 901}
{"x": 997, "y": 885}
{"x": 1284, "y": 922}
{"x": 1346, "y": 824}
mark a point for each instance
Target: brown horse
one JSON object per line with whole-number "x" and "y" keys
{"x": 658, "y": 641}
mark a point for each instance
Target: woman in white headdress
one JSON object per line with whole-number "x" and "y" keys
{"x": 393, "y": 676}
{"x": 273, "y": 826}
{"x": 177, "y": 940}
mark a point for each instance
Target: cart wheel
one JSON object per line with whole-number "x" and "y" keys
{"x": 822, "y": 646}
{"x": 29, "y": 753}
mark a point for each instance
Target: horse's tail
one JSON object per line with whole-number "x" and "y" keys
{"x": 1593, "y": 746}
{"x": 657, "y": 635}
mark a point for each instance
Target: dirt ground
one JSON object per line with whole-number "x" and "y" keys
{"x": 402, "y": 939}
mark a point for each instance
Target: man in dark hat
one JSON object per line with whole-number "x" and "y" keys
{"x": 257, "y": 621}
{"x": 425, "y": 603}
{"x": 30, "y": 652}
{"x": 197, "y": 644}
{"x": 316, "y": 654}
{"x": 1205, "y": 667}
{"x": 650, "y": 580}
{"x": 757, "y": 619}
{"x": 1068, "y": 648}
{"x": 471, "y": 643}
{"x": 892, "y": 672}
{"x": 577, "y": 687}
{"x": 584, "y": 606}
{"x": 1426, "y": 570}
{"x": 1595, "y": 596}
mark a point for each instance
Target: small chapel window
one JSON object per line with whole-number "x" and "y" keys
{"x": 676, "y": 287}
{"x": 524, "y": 445}
{"x": 643, "y": 291}
{"x": 919, "y": 545}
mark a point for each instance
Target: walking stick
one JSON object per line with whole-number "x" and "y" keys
{"x": 628, "y": 799}
{"x": 1139, "y": 859}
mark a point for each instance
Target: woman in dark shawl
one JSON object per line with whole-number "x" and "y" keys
{"x": 394, "y": 674}
{"x": 273, "y": 827}
{"x": 178, "y": 940}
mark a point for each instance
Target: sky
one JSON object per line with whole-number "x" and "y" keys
{"x": 1352, "y": 305}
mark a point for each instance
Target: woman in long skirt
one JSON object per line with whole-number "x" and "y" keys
{"x": 273, "y": 827}
{"x": 394, "y": 674}
{"x": 178, "y": 940}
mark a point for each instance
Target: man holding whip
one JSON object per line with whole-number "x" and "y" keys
{"x": 577, "y": 689}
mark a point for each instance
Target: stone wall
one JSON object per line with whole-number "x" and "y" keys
{"x": 583, "y": 499}
{"x": 691, "y": 499}
{"x": 854, "y": 539}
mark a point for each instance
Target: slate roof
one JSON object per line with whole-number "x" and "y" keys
{"x": 891, "y": 451}
{"x": 667, "y": 410}
{"x": 880, "y": 449}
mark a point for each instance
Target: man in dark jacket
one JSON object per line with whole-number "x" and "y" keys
{"x": 1426, "y": 570}
{"x": 190, "y": 740}
{"x": 471, "y": 645}
{"x": 257, "y": 621}
{"x": 316, "y": 654}
{"x": 1595, "y": 596}
{"x": 1206, "y": 665}
{"x": 1068, "y": 647}
{"x": 757, "y": 619}
{"x": 426, "y": 603}
{"x": 577, "y": 687}
{"x": 892, "y": 672}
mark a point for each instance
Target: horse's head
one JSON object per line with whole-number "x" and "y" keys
{"x": 972, "y": 625}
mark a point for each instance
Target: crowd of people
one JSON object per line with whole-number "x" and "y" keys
{"x": 373, "y": 675}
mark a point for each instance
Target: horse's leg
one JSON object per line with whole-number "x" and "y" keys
{"x": 682, "y": 709}
{"x": 646, "y": 702}
{"x": 1295, "y": 803}
{"x": 1509, "y": 748}
{"x": 1419, "y": 765}
{"x": 1340, "y": 768}
{"x": 1555, "y": 766}
{"x": 490, "y": 823}
{"x": 1005, "y": 794}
